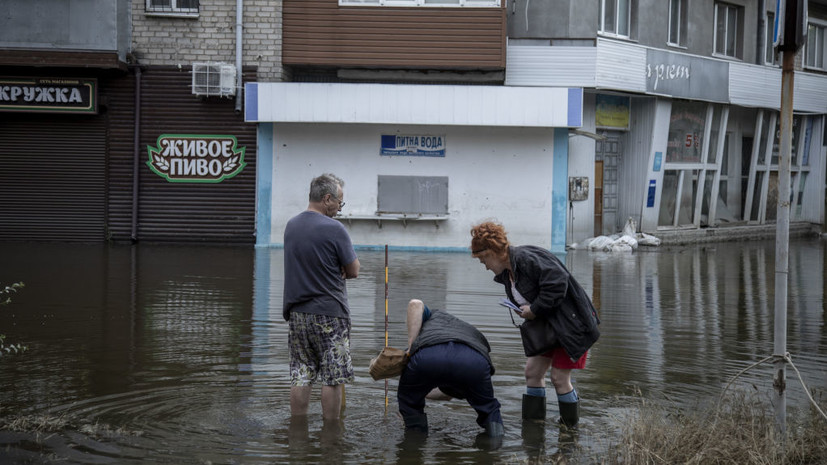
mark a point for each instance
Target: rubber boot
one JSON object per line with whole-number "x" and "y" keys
{"x": 534, "y": 407}
{"x": 569, "y": 413}
{"x": 492, "y": 438}
{"x": 417, "y": 424}
{"x": 494, "y": 429}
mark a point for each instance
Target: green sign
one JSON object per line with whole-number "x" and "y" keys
{"x": 196, "y": 158}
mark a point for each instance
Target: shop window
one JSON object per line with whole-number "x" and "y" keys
{"x": 800, "y": 196}
{"x": 616, "y": 17}
{"x": 173, "y": 7}
{"x": 756, "y": 195}
{"x": 669, "y": 192}
{"x": 776, "y": 143}
{"x": 413, "y": 195}
{"x": 677, "y": 206}
{"x": 816, "y": 47}
{"x": 686, "y": 131}
{"x": 771, "y": 204}
{"x": 694, "y": 193}
{"x": 426, "y": 3}
{"x": 729, "y": 24}
{"x": 677, "y": 22}
{"x": 761, "y": 204}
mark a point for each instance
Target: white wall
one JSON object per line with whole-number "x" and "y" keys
{"x": 494, "y": 173}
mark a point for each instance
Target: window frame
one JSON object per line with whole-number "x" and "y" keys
{"x": 628, "y": 16}
{"x": 770, "y": 58}
{"x": 172, "y": 10}
{"x": 681, "y": 22}
{"x": 424, "y": 3}
{"x": 822, "y": 26}
{"x": 739, "y": 25}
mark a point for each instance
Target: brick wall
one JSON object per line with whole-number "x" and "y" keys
{"x": 177, "y": 41}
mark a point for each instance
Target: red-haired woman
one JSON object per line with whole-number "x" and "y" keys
{"x": 541, "y": 286}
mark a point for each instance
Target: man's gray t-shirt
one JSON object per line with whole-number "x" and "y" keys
{"x": 316, "y": 248}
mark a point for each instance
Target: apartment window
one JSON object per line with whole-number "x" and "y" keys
{"x": 615, "y": 17}
{"x": 815, "y": 49}
{"x": 426, "y": 3}
{"x": 677, "y": 22}
{"x": 728, "y": 25}
{"x": 186, "y": 7}
{"x": 769, "y": 57}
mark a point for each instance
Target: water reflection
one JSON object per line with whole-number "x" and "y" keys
{"x": 177, "y": 354}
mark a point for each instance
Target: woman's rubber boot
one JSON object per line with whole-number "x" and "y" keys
{"x": 569, "y": 413}
{"x": 534, "y": 407}
{"x": 417, "y": 424}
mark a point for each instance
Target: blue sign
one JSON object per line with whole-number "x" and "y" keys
{"x": 658, "y": 160}
{"x": 413, "y": 146}
{"x": 650, "y": 198}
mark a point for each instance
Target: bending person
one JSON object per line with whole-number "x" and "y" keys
{"x": 448, "y": 358}
{"x": 538, "y": 282}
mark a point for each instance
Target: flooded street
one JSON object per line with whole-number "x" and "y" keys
{"x": 177, "y": 354}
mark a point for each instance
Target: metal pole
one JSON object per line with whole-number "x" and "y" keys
{"x": 136, "y": 154}
{"x": 386, "y": 320}
{"x": 782, "y": 241}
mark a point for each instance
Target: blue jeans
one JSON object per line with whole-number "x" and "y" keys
{"x": 457, "y": 370}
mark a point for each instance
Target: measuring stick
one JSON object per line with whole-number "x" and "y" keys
{"x": 386, "y": 320}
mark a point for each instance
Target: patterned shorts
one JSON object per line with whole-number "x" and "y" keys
{"x": 319, "y": 350}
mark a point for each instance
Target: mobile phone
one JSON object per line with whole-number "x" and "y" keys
{"x": 507, "y": 303}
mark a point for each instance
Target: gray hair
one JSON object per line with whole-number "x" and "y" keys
{"x": 325, "y": 184}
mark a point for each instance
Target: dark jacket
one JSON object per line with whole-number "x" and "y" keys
{"x": 443, "y": 327}
{"x": 544, "y": 281}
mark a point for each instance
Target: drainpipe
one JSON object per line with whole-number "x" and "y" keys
{"x": 238, "y": 35}
{"x": 136, "y": 154}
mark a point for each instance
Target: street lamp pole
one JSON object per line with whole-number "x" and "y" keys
{"x": 782, "y": 241}
{"x": 789, "y": 35}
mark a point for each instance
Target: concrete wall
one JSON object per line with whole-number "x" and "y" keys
{"x": 64, "y": 24}
{"x": 557, "y": 20}
{"x": 161, "y": 40}
{"x": 494, "y": 173}
{"x": 553, "y": 19}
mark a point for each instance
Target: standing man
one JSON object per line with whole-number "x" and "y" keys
{"x": 318, "y": 257}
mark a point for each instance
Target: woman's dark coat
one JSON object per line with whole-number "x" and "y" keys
{"x": 544, "y": 281}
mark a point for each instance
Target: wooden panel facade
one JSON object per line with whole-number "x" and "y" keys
{"x": 322, "y": 33}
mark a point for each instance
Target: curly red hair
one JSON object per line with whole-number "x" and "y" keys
{"x": 489, "y": 235}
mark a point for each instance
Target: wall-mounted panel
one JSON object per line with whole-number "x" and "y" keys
{"x": 551, "y": 66}
{"x": 620, "y": 66}
{"x": 322, "y": 33}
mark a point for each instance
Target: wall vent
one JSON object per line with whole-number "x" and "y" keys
{"x": 213, "y": 79}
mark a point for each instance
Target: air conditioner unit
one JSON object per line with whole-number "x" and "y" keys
{"x": 213, "y": 79}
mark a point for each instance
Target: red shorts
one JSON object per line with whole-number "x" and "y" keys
{"x": 560, "y": 359}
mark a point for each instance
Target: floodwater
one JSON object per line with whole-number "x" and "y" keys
{"x": 177, "y": 354}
